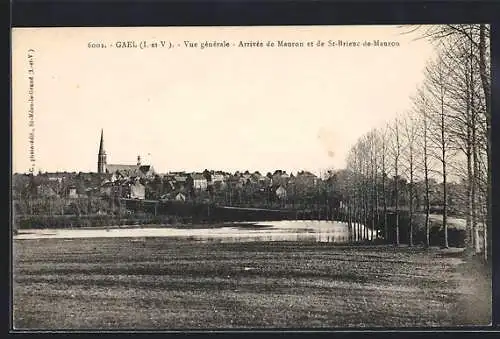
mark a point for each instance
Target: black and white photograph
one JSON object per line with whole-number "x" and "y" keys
{"x": 251, "y": 177}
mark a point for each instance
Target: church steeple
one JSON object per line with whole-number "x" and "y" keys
{"x": 101, "y": 157}
{"x": 101, "y": 145}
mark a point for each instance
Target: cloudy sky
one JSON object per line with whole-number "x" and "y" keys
{"x": 217, "y": 108}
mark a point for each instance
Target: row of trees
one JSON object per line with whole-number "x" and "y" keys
{"x": 444, "y": 136}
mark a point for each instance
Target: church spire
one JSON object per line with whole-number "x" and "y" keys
{"x": 101, "y": 157}
{"x": 101, "y": 145}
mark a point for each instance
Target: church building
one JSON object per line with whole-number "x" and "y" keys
{"x": 126, "y": 171}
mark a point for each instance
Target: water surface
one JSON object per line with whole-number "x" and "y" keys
{"x": 286, "y": 230}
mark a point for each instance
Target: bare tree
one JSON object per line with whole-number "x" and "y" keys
{"x": 420, "y": 103}
{"x": 396, "y": 154}
{"x": 374, "y": 149}
{"x": 436, "y": 86}
{"x": 352, "y": 165}
{"x": 357, "y": 165}
{"x": 410, "y": 135}
{"x": 365, "y": 177}
{"x": 463, "y": 112}
{"x": 383, "y": 139}
{"x": 477, "y": 37}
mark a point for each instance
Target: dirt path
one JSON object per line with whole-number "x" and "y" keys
{"x": 474, "y": 305}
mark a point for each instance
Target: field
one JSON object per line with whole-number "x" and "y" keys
{"x": 168, "y": 283}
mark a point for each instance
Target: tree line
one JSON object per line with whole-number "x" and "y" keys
{"x": 445, "y": 136}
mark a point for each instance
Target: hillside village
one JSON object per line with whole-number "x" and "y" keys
{"x": 59, "y": 192}
{"x": 142, "y": 182}
{"x": 246, "y": 189}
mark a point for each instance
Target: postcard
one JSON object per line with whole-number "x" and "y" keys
{"x": 263, "y": 177}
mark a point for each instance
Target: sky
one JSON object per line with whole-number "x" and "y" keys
{"x": 228, "y": 108}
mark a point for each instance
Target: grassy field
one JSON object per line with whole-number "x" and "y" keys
{"x": 166, "y": 283}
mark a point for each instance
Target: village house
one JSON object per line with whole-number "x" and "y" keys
{"x": 180, "y": 180}
{"x": 72, "y": 192}
{"x": 59, "y": 177}
{"x": 244, "y": 180}
{"x": 137, "y": 190}
{"x": 106, "y": 188}
{"x": 199, "y": 181}
{"x": 169, "y": 183}
{"x": 125, "y": 188}
{"x": 217, "y": 176}
{"x": 281, "y": 193}
{"x": 306, "y": 179}
{"x": 280, "y": 177}
{"x": 180, "y": 197}
{"x": 46, "y": 191}
{"x": 89, "y": 183}
{"x": 258, "y": 178}
{"x": 246, "y": 175}
{"x": 128, "y": 171}
{"x": 219, "y": 185}
{"x": 235, "y": 181}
